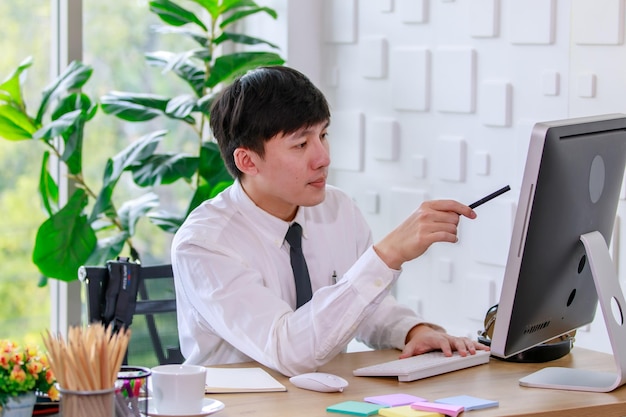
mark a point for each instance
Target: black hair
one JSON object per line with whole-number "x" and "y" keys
{"x": 259, "y": 105}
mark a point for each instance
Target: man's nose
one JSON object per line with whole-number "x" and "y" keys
{"x": 322, "y": 154}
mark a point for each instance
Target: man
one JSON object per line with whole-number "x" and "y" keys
{"x": 234, "y": 282}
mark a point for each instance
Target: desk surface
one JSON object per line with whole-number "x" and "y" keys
{"x": 497, "y": 380}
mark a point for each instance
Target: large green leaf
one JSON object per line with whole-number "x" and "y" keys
{"x": 210, "y": 186}
{"x": 229, "y": 5}
{"x": 10, "y": 88}
{"x": 173, "y": 14}
{"x": 74, "y": 77}
{"x": 228, "y": 67}
{"x": 207, "y": 191}
{"x": 72, "y": 133}
{"x": 14, "y": 124}
{"x": 210, "y": 6}
{"x": 134, "y": 154}
{"x": 75, "y": 101}
{"x": 73, "y": 150}
{"x": 243, "y": 39}
{"x": 48, "y": 188}
{"x": 71, "y": 127}
{"x": 107, "y": 248}
{"x": 65, "y": 241}
{"x": 59, "y": 126}
{"x": 134, "y": 107}
{"x": 212, "y": 168}
{"x": 131, "y": 211}
{"x": 204, "y": 104}
{"x": 165, "y": 220}
{"x": 164, "y": 169}
{"x": 193, "y": 74}
{"x": 245, "y": 13}
{"x": 180, "y": 107}
{"x": 200, "y": 37}
{"x": 184, "y": 58}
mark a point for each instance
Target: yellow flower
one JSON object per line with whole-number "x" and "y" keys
{"x": 50, "y": 377}
{"x": 24, "y": 369}
{"x": 34, "y": 367}
{"x": 53, "y": 393}
{"x": 18, "y": 374}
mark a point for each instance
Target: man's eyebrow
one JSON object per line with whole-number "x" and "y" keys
{"x": 306, "y": 130}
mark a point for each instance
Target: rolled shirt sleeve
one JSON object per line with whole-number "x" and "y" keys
{"x": 235, "y": 291}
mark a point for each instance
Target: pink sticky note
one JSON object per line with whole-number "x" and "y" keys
{"x": 447, "y": 409}
{"x": 394, "y": 400}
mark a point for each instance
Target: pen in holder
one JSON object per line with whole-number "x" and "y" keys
{"x": 131, "y": 398}
{"x": 86, "y": 366}
{"x": 94, "y": 403}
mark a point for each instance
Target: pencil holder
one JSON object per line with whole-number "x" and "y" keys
{"x": 98, "y": 403}
{"x": 131, "y": 398}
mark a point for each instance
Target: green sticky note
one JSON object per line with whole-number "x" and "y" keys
{"x": 355, "y": 408}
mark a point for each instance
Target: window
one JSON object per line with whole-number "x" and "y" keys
{"x": 25, "y": 307}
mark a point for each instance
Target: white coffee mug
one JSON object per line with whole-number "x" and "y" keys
{"x": 178, "y": 389}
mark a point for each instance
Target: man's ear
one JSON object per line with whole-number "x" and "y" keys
{"x": 244, "y": 160}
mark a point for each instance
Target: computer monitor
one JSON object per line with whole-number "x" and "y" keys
{"x": 559, "y": 265}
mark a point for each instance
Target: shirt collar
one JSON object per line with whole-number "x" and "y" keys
{"x": 273, "y": 228}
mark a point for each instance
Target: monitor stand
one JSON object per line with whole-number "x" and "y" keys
{"x": 609, "y": 292}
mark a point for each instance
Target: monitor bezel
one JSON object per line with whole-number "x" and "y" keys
{"x": 508, "y": 316}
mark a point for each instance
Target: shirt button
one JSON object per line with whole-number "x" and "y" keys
{"x": 378, "y": 282}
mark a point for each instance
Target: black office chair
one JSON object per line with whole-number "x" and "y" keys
{"x": 118, "y": 295}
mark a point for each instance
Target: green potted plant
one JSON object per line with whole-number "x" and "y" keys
{"x": 90, "y": 227}
{"x": 24, "y": 371}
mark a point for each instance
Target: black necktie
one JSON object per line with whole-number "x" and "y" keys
{"x": 298, "y": 265}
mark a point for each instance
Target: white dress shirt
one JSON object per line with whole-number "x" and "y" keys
{"x": 236, "y": 294}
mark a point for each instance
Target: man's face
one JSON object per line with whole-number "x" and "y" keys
{"x": 292, "y": 173}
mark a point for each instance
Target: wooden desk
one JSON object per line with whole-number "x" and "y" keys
{"x": 497, "y": 380}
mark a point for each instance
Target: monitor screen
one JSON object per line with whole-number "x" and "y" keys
{"x": 571, "y": 187}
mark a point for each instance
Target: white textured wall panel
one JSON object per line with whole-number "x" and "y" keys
{"x": 560, "y": 59}
{"x": 385, "y": 6}
{"x": 369, "y": 201}
{"x": 450, "y": 158}
{"x": 413, "y": 11}
{"x": 491, "y": 231}
{"x": 384, "y": 136}
{"x": 418, "y": 166}
{"x": 373, "y": 57}
{"x": 550, "y": 83}
{"x": 586, "y": 85}
{"x": 455, "y": 79}
{"x": 532, "y": 21}
{"x": 484, "y": 18}
{"x": 480, "y": 295}
{"x": 410, "y": 78}
{"x": 481, "y": 163}
{"x": 347, "y": 140}
{"x": 599, "y": 22}
{"x": 340, "y": 21}
{"x": 444, "y": 269}
{"x": 402, "y": 202}
{"x": 495, "y": 103}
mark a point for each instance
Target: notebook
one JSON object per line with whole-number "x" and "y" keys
{"x": 224, "y": 380}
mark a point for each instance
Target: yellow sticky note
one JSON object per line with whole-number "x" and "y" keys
{"x": 406, "y": 411}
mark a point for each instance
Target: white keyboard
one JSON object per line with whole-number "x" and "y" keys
{"x": 424, "y": 365}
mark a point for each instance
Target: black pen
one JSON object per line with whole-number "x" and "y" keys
{"x": 489, "y": 197}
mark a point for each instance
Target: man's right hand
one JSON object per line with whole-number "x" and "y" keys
{"x": 434, "y": 221}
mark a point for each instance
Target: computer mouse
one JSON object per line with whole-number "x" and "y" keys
{"x": 319, "y": 381}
